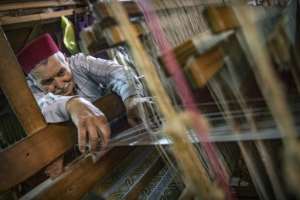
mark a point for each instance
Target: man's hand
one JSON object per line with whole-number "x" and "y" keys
{"x": 132, "y": 104}
{"x": 91, "y": 124}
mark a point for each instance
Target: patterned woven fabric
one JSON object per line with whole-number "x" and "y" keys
{"x": 130, "y": 172}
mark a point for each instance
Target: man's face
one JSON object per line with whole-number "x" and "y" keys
{"x": 55, "y": 76}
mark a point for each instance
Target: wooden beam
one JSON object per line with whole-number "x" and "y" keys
{"x": 204, "y": 67}
{"x": 19, "y": 26}
{"x": 103, "y": 10}
{"x": 220, "y": 18}
{"x": 110, "y": 36}
{"x": 111, "y": 105}
{"x": 79, "y": 178}
{"x": 201, "y": 50}
{"x": 31, "y": 154}
{"x": 14, "y": 86}
{"x": 38, "y": 4}
{"x": 5, "y": 20}
{"x": 114, "y": 35}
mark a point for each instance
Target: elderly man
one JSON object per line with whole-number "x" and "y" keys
{"x": 65, "y": 87}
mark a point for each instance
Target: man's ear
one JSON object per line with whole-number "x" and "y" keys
{"x": 61, "y": 56}
{"x": 35, "y": 79}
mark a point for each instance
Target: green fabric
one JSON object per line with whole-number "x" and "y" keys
{"x": 69, "y": 35}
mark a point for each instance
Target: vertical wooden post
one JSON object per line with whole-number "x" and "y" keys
{"x": 14, "y": 86}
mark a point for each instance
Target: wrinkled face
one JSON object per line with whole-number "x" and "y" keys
{"x": 54, "y": 75}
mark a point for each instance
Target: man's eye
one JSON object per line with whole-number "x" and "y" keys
{"x": 61, "y": 72}
{"x": 47, "y": 82}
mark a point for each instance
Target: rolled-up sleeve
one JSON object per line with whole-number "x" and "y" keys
{"x": 54, "y": 109}
{"x": 111, "y": 75}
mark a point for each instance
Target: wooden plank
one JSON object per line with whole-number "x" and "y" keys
{"x": 30, "y": 155}
{"x": 110, "y": 37}
{"x": 104, "y": 11}
{"x": 5, "y": 20}
{"x": 26, "y": 25}
{"x": 114, "y": 35}
{"x": 202, "y": 48}
{"x": 80, "y": 177}
{"x": 184, "y": 51}
{"x": 38, "y": 4}
{"x": 14, "y": 86}
{"x": 220, "y": 18}
{"x": 111, "y": 105}
{"x": 204, "y": 67}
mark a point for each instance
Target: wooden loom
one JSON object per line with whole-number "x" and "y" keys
{"x": 22, "y": 160}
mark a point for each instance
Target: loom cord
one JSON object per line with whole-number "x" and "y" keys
{"x": 260, "y": 145}
{"x": 220, "y": 134}
{"x": 218, "y": 93}
{"x": 265, "y": 75}
{"x": 274, "y": 94}
{"x": 193, "y": 172}
{"x": 185, "y": 93}
{"x": 240, "y": 101}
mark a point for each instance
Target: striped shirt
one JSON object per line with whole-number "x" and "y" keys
{"x": 93, "y": 77}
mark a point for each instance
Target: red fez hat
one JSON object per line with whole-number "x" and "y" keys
{"x": 36, "y": 51}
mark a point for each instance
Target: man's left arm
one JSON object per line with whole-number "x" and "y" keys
{"x": 120, "y": 80}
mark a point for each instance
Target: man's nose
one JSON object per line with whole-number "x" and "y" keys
{"x": 59, "y": 82}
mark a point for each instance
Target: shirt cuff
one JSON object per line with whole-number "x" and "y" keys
{"x": 57, "y": 111}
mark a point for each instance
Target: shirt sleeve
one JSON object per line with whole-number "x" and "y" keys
{"x": 53, "y": 107}
{"x": 111, "y": 75}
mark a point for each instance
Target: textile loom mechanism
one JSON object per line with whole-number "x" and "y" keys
{"x": 210, "y": 59}
{"x": 222, "y": 80}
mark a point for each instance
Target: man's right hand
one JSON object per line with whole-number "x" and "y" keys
{"x": 92, "y": 125}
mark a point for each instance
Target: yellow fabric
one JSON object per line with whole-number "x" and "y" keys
{"x": 69, "y": 35}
